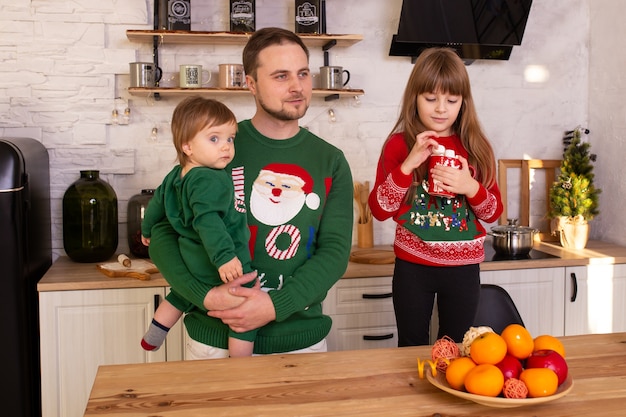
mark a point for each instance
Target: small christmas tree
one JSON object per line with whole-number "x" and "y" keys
{"x": 573, "y": 195}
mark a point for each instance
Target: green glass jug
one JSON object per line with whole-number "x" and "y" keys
{"x": 137, "y": 205}
{"x": 90, "y": 228}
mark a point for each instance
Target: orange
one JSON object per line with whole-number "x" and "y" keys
{"x": 546, "y": 341}
{"x": 519, "y": 342}
{"x": 484, "y": 379}
{"x": 457, "y": 370}
{"x": 540, "y": 382}
{"x": 488, "y": 347}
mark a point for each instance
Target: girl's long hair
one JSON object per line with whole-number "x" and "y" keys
{"x": 440, "y": 70}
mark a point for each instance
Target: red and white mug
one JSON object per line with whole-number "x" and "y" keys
{"x": 446, "y": 158}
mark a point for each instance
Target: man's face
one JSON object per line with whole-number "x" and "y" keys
{"x": 283, "y": 86}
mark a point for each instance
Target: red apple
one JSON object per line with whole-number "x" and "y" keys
{"x": 550, "y": 359}
{"x": 510, "y": 366}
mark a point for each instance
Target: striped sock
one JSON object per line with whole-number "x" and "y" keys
{"x": 155, "y": 336}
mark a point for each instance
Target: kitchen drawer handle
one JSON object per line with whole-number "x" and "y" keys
{"x": 376, "y": 296}
{"x": 381, "y": 337}
{"x": 574, "y": 287}
{"x": 157, "y": 301}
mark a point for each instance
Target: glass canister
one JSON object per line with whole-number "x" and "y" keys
{"x": 242, "y": 15}
{"x": 309, "y": 16}
{"x": 137, "y": 205}
{"x": 90, "y": 219}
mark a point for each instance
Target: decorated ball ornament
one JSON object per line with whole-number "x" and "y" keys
{"x": 514, "y": 388}
{"x": 443, "y": 351}
{"x": 469, "y": 337}
{"x": 567, "y": 184}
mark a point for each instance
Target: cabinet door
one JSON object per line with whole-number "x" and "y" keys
{"x": 363, "y": 331}
{"x": 362, "y": 313}
{"x": 594, "y": 299}
{"x": 538, "y": 295}
{"x": 81, "y": 330}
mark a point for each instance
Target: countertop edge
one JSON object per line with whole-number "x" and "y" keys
{"x": 66, "y": 275}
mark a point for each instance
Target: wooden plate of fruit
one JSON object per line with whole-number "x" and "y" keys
{"x": 440, "y": 382}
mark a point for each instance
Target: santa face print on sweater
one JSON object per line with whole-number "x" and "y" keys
{"x": 279, "y": 193}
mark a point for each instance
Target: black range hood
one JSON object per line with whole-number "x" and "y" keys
{"x": 476, "y": 29}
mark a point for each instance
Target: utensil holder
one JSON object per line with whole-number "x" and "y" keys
{"x": 365, "y": 234}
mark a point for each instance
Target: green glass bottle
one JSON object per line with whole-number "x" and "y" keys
{"x": 90, "y": 219}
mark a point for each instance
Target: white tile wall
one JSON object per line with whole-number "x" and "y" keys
{"x": 64, "y": 68}
{"x": 607, "y": 114}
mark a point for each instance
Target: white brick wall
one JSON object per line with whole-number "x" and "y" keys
{"x": 63, "y": 63}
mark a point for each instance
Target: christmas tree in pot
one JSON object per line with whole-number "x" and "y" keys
{"x": 573, "y": 197}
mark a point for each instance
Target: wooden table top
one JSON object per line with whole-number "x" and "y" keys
{"x": 376, "y": 382}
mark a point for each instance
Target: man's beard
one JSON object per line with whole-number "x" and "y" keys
{"x": 283, "y": 114}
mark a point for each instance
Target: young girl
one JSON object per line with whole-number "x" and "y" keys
{"x": 198, "y": 199}
{"x": 439, "y": 240}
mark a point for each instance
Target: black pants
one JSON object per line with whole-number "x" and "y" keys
{"x": 414, "y": 289}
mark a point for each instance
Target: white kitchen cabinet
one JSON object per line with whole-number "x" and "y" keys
{"x": 538, "y": 295}
{"x": 81, "y": 330}
{"x": 594, "y": 299}
{"x": 363, "y": 316}
{"x": 362, "y": 313}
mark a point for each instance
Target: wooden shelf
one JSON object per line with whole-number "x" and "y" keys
{"x": 231, "y": 38}
{"x": 182, "y": 37}
{"x": 175, "y": 91}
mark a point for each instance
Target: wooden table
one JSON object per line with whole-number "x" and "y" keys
{"x": 380, "y": 382}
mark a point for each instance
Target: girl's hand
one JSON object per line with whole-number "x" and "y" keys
{"x": 454, "y": 180}
{"x": 145, "y": 241}
{"x": 423, "y": 148}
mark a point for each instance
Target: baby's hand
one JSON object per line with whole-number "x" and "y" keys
{"x": 145, "y": 241}
{"x": 230, "y": 270}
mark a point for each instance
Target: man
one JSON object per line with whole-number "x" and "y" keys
{"x": 296, "y": 190}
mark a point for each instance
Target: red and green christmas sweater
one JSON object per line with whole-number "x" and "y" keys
{"x": 432, "y": 230}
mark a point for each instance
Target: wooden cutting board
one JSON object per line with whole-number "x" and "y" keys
{"x": 373, "y": 256}
{"x": 139, "y": 269}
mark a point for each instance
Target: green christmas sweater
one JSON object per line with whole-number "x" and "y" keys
{"x": 211, "y": 232}
{"x": 297, "y": 195}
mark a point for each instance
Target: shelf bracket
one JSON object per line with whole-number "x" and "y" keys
{"x": 325, "y": 48}
{"x": 155, "y": 48}
{"x": 331, "y": 97}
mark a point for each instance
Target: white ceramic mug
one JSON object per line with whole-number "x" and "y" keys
{"x": 192, "y": 76}
{"x": 331, "y": 77}
{"x": 144, "y": 74}
{"x": 231, "y": 76}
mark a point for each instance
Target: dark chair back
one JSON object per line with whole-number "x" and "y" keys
{"x": 496, "y": 309}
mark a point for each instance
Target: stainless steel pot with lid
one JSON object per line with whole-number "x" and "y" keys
{"x": 512, "y": 240}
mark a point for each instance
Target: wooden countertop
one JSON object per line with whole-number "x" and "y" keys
{"x": 596, "y": 252}
{"x": 66, "y": 275}
{"x": 371, "y": 382}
